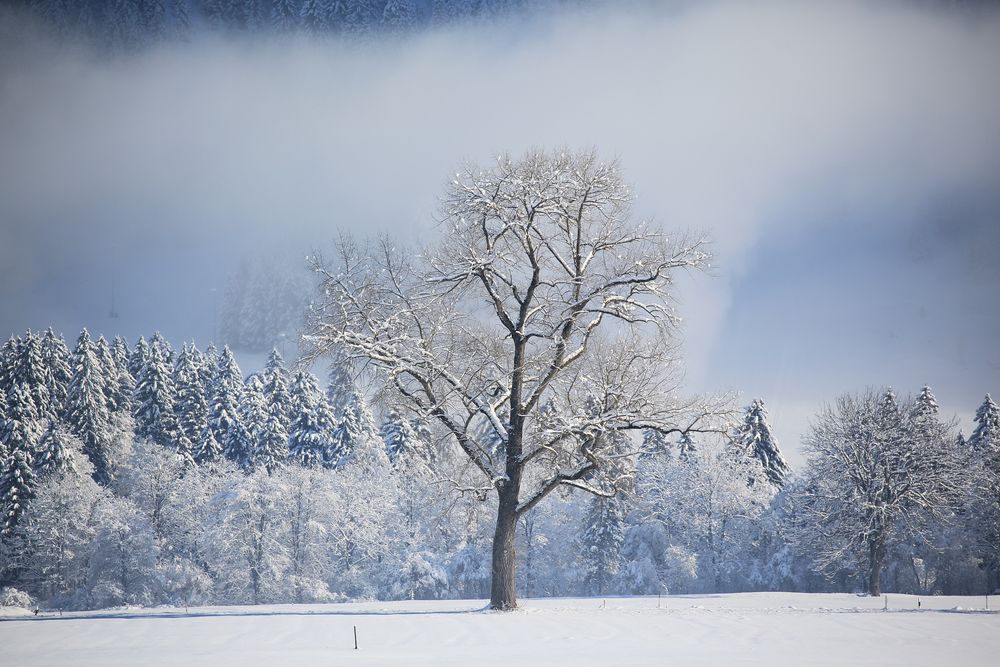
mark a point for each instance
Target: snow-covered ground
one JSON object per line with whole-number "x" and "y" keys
{"x": 750, "y": 628}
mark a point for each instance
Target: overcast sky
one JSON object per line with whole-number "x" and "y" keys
{"x": 844, "y": 158}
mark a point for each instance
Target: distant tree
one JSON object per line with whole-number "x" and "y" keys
{"x": 985, "y": 438}
{"x": 137, "y": 360}
{"x": 55, "y": 452}
{"x": 687, "y": 448}
{"x": 401, "y": 438}
{"x": 189, "y": 400}
{"x": 275, "y": 379}
{"x": 21, "y": 426}
{"x": 355, "y": 437}
{"x": 29, "y": 372}
{"x": 55, "y": 357}
{"x": 398, "y": 14}
{"x": 17, "y": 488}
{"x": 245, "y": 432}
{"x": 601, "y": 542}
{"x": 153, "y": 403}
{"x": 867, "y": 478}
{"x": 754, "y": 438}
{"x": 285, "y": 14}
{"x": 87, "y": 408}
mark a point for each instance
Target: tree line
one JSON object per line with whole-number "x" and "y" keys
{"x": 144, "y": 475}
{"x": 130, "y": 23}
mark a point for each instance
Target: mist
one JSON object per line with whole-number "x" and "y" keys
{"x": 844, "y": 158}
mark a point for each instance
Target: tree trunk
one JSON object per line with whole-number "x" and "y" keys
{"x": 876, "y": 555}
{"x": 503, "y": 593}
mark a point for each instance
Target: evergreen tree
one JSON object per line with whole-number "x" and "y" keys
{"x": 687, "y": 449}
{"x": 398, "y": 15}
{"x": 109, "y": 371}
{"x": 189, "y": 400}
{"x": 29, "y": 372}
{"x": 8, "y": 355}
{"x": 55, "y": 357}
{"x": 122, "y": 385}
{"x": 244, "y": 436}
{"x": 355, "y": 438}
{"x": 985, "y": 439}
{"x": 227, "y": 385}
{"x": 153, "y": 403}
{"x": 754, "y": 438}
{"x": 17, "y": 488}
{"x": 275, "y": 379}
{"x": 54, "y": 452}
{"x": 313, "y": 422}
{"x": 601, "y": 542}
{"x": 160, "y": 343}
{"x": 400, "y": 438}
{"x": 137, "y": 360}
{"x": 21, "y": 426}
{"x": 87, "y": 408}
{"x": 285, "y": 15}
{"x": 272, "y": 444}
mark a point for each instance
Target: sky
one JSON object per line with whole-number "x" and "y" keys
{"x": 843, "y": 158}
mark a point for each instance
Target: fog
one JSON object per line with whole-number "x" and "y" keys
{"x": 843, "y": 157}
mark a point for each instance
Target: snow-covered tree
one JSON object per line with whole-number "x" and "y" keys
{"x": 153, "y": 402}
{"x": 242, "y": 440}
{"x": 986, "y": 436}
{"x": 355, "y": 437}
{"x": 56, "y": 451}
{"x": 29, "y": 372}
{"x": 189, "y": 402}
{"x": 225, "y": 393}
{"x": 541, "y": 288}
{"x": 87, "y": 408}
{"x": 276, "y": 392}
{"x": 55, "y": 357}
{"x": 137, "y": 359}
{"x": 601, "y": 542}
{"x": 17, "y": 488}
{"x": 867, "y": 479}
{"x": 754, "y": 439}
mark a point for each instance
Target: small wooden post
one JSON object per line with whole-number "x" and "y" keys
{"x": 886, "y": 606}
{"x": 355, "y": 638}
{"x": 987, "y": 602}
{"x": 918, "y": 603}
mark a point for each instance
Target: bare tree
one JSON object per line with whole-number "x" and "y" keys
{"x": 539, "y": 327}
{"x": 875, "y": 477}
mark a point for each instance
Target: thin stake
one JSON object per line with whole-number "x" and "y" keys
{"x": 886, "y": 607}
{"x": 355, "y": 638}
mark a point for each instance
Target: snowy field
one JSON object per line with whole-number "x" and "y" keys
{"x": 743, "y": 629}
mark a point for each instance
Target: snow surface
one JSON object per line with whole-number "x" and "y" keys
{"x": 748, "y": 628}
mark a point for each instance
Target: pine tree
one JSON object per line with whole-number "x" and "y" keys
{"x": 400, "y": 438}
{"x": 340, "y": 389}
{"x": 160, "y": 343}
{"x": 754, "y": 438}
{"x": 355, "y": 438}
{"x": 153, "y": 403}
{"x": 29, "y": 372}
{"x": 601, "y": 542}
{"x": 21, "y": 426}
{"x": 687, "y": 449}
{"x": 244, "y": 436}
{"x": 137, "y": 360}
{"x": 109, "y": 371}
{"x": 121, "y": 384}
{"x": 313, "y": 421}
{"x": 272, "y": 444}
{"x": 54, "y": 452}
{"x": 55, "y": 357}
{"x": 8, "y": 356}
{"x": 87, "y": 408}
{"x": 189, "y": 400}
{"x": 285, "y": 15}
{"x": 17, "y": 488}
{"x": 985, "y": 439}
{"x": 275, "y": 378}
{"x": 398, "y": 15}
{"x": 227, "y": 385}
